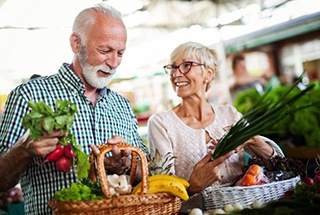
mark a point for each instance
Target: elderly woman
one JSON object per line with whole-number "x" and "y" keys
{"x": 191, "y": 129}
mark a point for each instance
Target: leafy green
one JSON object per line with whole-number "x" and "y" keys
{"x": 80, "y": 191}
{"x": 83, "y": 165}
{"x": 43, "y": 119}
{"x": 94, "y": 187}
{"x": 264, "y": 114}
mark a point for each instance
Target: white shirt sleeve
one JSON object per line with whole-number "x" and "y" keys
{"x": 159, "y": 138}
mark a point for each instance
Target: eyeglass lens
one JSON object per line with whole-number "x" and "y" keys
{"x": 185, "y": 67}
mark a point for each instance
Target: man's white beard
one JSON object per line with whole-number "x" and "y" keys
{"x": 90, "y": 74}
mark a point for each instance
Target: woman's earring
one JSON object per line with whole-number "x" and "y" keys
{"x": 206, "y": 81}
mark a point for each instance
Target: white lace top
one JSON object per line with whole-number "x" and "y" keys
{"x": 168, "y": 133}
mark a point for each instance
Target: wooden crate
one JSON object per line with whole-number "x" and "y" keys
{"x": 301, "y": 152}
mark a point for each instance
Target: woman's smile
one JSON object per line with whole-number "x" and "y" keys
{"x": 181, "y": 84}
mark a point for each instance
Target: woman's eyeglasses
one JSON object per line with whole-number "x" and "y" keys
{"x": 183, "y": 67}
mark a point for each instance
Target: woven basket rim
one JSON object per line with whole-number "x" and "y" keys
{"x": 256, "y": 186}
{"x": 216, "y": 197}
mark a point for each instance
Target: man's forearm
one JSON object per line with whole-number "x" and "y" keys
{"x": 12, "y": 164}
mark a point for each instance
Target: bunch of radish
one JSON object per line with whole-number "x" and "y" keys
{"x": 315, "y": 181}
{"x": 311, "y": 181}
{"x": 68, "y": 153}
{"x": 62, "y": 156}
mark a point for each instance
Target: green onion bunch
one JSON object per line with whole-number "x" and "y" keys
{"x": 262, "y": 116}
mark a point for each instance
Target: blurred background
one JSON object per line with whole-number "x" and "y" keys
{"x": 276, "y": 37}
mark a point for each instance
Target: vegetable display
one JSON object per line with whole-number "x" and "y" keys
{"x": 290, "y": 167}
{"x": 302, "y": 199}
{"x": 68, "y": 153}
{"x": 303, "y": 126}
{"x": 253, "y": 176}
{"x": 263, "y": 115}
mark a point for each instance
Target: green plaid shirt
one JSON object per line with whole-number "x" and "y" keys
{"x": 111, "y": 116}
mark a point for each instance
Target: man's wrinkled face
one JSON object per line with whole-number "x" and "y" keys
{"x": 101, "y": 50}
{"x": 90, "y": 73}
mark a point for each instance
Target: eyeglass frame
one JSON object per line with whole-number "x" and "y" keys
{"x": 193, "y": 63}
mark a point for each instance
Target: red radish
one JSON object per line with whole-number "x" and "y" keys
{"x": 308, "y": 181}
{"x": 316, "y": 179}
{"x": 68, "y": 151}
{"x": 63, "y": 164}
{"x": 55, "y": 154}
{"x": 288, "y": 193}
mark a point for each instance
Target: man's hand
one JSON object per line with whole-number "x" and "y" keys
{"x": 42, "y": 147}
{"x": 119, "y": 160}
{"x": 14, "y": 195}
{"x": 16, "y": 160}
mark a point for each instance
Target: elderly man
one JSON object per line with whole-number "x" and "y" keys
{"x": 98, "y": 41}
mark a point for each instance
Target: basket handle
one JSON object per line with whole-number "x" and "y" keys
{"x": 104, "y": 149}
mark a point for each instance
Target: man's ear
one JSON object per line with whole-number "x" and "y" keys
{"x": 75, "y": 42}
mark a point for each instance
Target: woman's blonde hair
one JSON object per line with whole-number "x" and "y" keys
{"x": 204, "y": 54}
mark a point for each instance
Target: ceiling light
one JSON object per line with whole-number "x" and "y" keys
{"x": 212, "y": 22}
{"x": 136, "y": 19}
{"x": 124, "y": 7}
{"x": 228, "y": 18}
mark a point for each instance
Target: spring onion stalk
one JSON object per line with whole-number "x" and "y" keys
{"x": 261, "y": 117}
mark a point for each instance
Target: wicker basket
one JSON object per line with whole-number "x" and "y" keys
{"x": 142, "y": 203}
{"x": 216, "y": 197}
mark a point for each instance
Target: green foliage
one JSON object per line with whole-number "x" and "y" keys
{"x": 307, "y": 193}
{"x": 305, "y": 122}
{"x": 246, "y": 100}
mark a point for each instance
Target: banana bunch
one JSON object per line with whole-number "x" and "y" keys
{"x": 163, "y": 183}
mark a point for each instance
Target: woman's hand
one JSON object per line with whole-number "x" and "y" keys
{"x": 206, "y": 172}
{"x": 258, "y": 146}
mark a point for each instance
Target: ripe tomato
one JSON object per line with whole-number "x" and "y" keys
{"x": 248, "y": 180}
{"x": 254, "y": 170}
